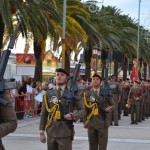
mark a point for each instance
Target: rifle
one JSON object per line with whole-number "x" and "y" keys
{"x": 7, "y": 84}
{"x": 73, "y": 93}
{"x": 105, "y": 92}
{"x": 73, "y": 86}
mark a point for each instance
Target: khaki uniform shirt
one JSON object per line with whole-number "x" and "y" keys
{"x": 60, "y": 128}
{"x": 102, "y": 119}
{"x": 8, "y": 120}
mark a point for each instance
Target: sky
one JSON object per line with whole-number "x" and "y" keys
{"x": 128, "y": 7}
{"x": 131, "y": 8}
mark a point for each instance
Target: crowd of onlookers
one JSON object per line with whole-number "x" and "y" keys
{"x": 23, "y": 98}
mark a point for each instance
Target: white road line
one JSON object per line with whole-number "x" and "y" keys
{"x": 123, "y": 140}
{"x": 129, "y": 127}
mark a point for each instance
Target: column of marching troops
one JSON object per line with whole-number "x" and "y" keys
{"x": 133, "y": 98}
{"x": 59, "y": 111}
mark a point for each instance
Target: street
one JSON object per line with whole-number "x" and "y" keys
{"x": 122, "y": 137}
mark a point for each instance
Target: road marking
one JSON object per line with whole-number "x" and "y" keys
{"x": 82, "y": 138}
{"x": 129, "y": 127}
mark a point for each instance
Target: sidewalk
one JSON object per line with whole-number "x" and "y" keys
{"x": 122, "y": 137}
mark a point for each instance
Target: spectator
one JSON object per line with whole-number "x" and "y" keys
{"x": 28, "y": 99}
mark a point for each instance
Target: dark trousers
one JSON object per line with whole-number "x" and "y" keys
{"x": 135, "y": 112}
{"x": 62, "y": 143}
{"x": 141, "y": 110}
{"x": 98, "y": 138}
{"x": 125, "y": 109}
{"x": 1, "y": 145}
{"x": 114, "y": 113}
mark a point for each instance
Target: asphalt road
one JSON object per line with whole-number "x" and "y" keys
{"x": 122, "y": 137}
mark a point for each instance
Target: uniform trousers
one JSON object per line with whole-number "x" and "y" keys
{"x": 1, "y": 145}
{"x": 135, "y": 112}
{"x": 141, "y": 110}
{"x": 98, "y": 138}
{"x": 59, "y": 143}
{"x": 114, "y": 113}
{"x": 125, "y": 109}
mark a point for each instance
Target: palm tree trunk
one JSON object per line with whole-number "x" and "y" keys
{"x": 1, "y": 33}
{"x": 87, "y": 58}
{"x": 116, "y": 69}
{"x": 38, "y": 60}
{"x": 125, "y": 68}
{"x": 140, "y": 64}
{"x": 145, "y": 70}
{"x": 67, "y": 61}
{"x": 148, "y": 72}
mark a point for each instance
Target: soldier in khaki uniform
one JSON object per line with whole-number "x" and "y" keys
{"x": 97, "y": 115}
{"x": 134, "y": 97}
{"x": 142, "y": 102}
{"x": 146, "y": 100}
{"x": 125, "y": 93}
{"x": 8, "y": 120}
{"x": 115, "y": 91}
{"x": 58, "y": 114}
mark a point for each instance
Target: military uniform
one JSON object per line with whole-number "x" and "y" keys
{"x": 146, "y": 102}
{"x": 60, "y": 132}
{"x": 8, "y": 120}
{"x": 125, "y": 93}
{"x": 115, "y": 91}
{"x": 135, "y": 97}
{"x": 120, "y": 103}
{"x": 97, "y": 120}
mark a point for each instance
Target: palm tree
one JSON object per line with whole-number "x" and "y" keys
{"x": 35, "y": 16}
{"x": 75, "y": 33}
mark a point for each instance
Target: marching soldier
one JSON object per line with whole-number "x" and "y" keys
{"x": 120, "y": 104}
{"x": 146, "y": 100}
{"x": 97, "y": 116}
{"x": 58, "y": 114}
{"x": 134, "y": 98}
{"x": 125, "y": 93}
{"x": 141, "y": 111}
{"x": 8, "y": 120}
{"x": 115, "y": 91}
{"x": 141, "y": 101}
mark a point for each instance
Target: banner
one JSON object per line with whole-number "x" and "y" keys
{"x": 25, "y": 59}
{"x": 50, "y": 63}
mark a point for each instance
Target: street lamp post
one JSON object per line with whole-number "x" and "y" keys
{"x": 63, "y": 35}
{"x": 138, "y": 34}
{"x": 93, "y": 5}
{"x": 96, "y": 54}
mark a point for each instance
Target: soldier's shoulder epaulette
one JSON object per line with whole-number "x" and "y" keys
{"x": 89, "y": 93}
{"x": 51, "y": 93}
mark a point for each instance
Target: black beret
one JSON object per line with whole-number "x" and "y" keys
{"x": 96, "y": 75}
{"x": 113, "y": 76}
{"x": 62, "y": 70}
{"x": 137, "y": 82}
